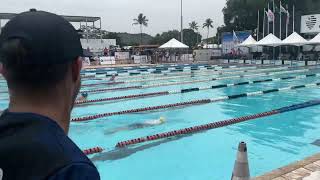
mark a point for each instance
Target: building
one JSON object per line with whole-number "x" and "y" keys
{"x": 88, "y": 27}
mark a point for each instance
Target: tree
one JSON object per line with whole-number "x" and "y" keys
{"x": 165, "y": 37}
{"x": 195, "y": 27}
{"x": 142, "y": 21}
{"x": 240, "y": 15}
{"x": 191, "y": 37}
{"x": 208, "y": 25}
{"x": 113, "y": 35}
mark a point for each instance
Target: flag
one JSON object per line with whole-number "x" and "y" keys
{"x": 288, "y": 17}
{"x": 270, "y": 15}
{"x": 235, "y": 38}
{"x": 283, "y": 10}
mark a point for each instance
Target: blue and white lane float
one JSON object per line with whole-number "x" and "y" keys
{"x": 194, "y": 102}
{"x": 198, "y": 81}
{"x": 170, "y": 73}
{"x": 166, "y": 76}
{"x": 214, "y": 125}
{"x": 195, "y": 81}
{"x": 155, "y": 70}
{"x": 167, "y": 73}
{"x": 203, "y": 74}
{"x": 146, "y": 68}
{"x": 163, "y": 93}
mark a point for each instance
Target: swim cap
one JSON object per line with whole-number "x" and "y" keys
{"x": 84, "y": 95}
{"x": 162, "y": 119}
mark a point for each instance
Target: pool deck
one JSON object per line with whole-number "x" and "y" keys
{"x": 294, "y": 171}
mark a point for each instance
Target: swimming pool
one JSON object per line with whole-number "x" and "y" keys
{"x": 273, "y": 141}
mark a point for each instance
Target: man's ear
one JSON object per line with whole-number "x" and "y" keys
{"x": 76, "y": 68}
{"x": 2, "y": 70}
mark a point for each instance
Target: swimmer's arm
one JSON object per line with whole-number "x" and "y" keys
{"x": 76, "y": 171}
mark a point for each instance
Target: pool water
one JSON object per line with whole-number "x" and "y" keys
{"x": 272, "y": 141}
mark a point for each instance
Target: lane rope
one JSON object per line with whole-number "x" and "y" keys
{"x": 214, "y": 125}
{"x": 202, "y": 74}
{"x": 135, "y": 72}
{"x": 147, "y": 67}
{"x": 194, "y": 102}
{"x": 167, "y": 73}
{"x": 91, "y": 151}
{"x": 164, "y": 93}
{"x": 197, "y": 81}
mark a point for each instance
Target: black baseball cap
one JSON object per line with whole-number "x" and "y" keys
{"x": 48, "y": 38}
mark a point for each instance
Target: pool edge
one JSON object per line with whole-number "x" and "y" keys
{"x": 301, "y": 168}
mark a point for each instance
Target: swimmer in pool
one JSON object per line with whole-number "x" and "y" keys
{"x": 83, "y": 97}
{"x": 149, "y": 123}
{"x": 113, "y": 78}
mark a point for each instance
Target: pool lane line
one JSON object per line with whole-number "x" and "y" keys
{"x": 149, "y": 67}
{"x": 170, "y": 72}
{"x": 177, "y": 72}
{"x": 304, "y": 69}
{"x": 206, "y": 73}
{"x": 219, "y": 86}
{"x": 91, "y": 151}
{"x": 201, "y": 80}
{"x": 135, "y": 72}
{"x": 182, "y": 75}
{"x": 220, "y": 124}
{"x": 157, "y": 70}
{"x": 149, "y": 77}
{"x": 194, "y": 102}
{"x": 197, "y": 81}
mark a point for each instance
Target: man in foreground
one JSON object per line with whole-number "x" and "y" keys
{"x": 39, "y": 53}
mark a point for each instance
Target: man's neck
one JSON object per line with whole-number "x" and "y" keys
{"x": 55, "y": 110}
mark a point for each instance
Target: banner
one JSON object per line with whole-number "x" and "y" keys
{"x": 229, "y": 45}
{"x": 121, "y": 55}
{"x": 310, "y": 24}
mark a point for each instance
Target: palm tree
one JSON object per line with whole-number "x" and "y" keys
{"x": 208, "y": 25}
{"x": 142, "y": 21}
{"x": 195, "y": 27}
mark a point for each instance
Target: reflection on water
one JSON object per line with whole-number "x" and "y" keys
{"x": 121, "y": 153}
{"x": 274, "y": 131}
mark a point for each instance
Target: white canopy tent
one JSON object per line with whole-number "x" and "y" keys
{"x": 315, "y": 40}
{"x": 270, "y": 40}
{"x": 249, "y": 42}
{"x": 294, "y": 40}
{"x": 174, "y": 44}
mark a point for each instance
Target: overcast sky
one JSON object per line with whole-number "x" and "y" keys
{"x": 117, "y": 15}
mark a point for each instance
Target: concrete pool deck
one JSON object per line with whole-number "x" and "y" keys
{"x": 307, "y": 169}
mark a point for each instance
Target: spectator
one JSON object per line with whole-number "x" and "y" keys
{"x": 40, "y": 53}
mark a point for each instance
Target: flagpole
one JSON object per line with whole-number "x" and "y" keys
{"x": 258, "y": 28}
{"x": 287, "y": 21}
{"x": 268, "y": 19}
{"x": 280, "y": 22}
{"x": 181, "y": 22}
{"x": 273, "y": 23}
{"x": 280, "y": 35}
{"x": 293, "y": 14}
{"x": 264, "y": 18}
{"x": 273, "y": 18}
